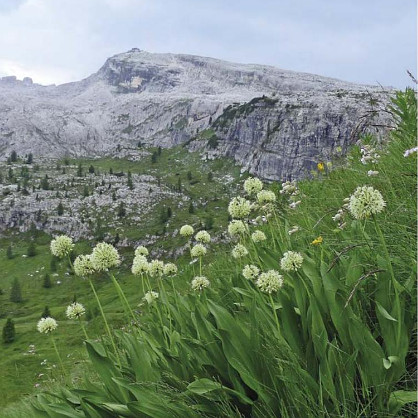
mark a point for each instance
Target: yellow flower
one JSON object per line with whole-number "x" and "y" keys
{"x": 317, "y": 241}
{"x": 321, "y": 167}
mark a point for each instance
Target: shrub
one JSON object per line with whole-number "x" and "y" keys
{"x": 9, "y": 331}
{"x": 16, "y": 292}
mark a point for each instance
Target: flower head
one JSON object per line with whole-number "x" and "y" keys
{"x": 170, "y": 269}
{"x": 156, "y": 268}
{"x": 252, "y": 186}
{"x": 239, "y": 251}
{"x": 317, "y": 241}
{"x": 250, "y": 272}
{"x": 321, "y": 167}
{"x": 198, "y": 250}
{"x": 371, "y": 173}
{"x": 151, "y": 296}
{"x": 203, "y": 236}
{"x": 104, "y": 256}
{"x": 266, "y": 196}
{"x": 75, "y": 311}
{"x": 291, "y": 261}
{"x": 365, "y": 201}
{"x": 141, "y": 250}
{"x": 239, "y": 207}
{"x": 83, "y": 266}
{"x": 270, "y": 281}
{"x": 61, "y": 246}
{"x": 186, "y": 231}
{"x": 237, "y": 227}
{"x": 140, "y": 265}
{"x": 258, "y": 236}
{"x": 293, "y": 230}
{"x": 47, "y": 325}
{"x": 199, "y": 283}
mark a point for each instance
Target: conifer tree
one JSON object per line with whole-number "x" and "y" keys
{"x": 46, "y": 312}
{"x": 9, "y": 331}
{"x": 47, "y": 281}
{"x": 16, "y": 292}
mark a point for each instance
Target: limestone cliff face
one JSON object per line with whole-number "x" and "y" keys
{"x": 275, "y": 123}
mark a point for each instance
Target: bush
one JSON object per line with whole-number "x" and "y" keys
{"x": 47, "y": 281}
{"x": 31, "y": 249}
{"x": 9, "y": 331}
{"x": 16, "y": 292}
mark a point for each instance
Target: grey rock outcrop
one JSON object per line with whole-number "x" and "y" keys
{"x": 275, "y": 123}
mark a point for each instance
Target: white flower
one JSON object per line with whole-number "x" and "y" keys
{"x": 170, "y": 269}
{"x": 104, "y": 256}
{"x": 250, "y": 271}
{"x": 199, "y": 283}
{"x": 236, "y": 227}
{"x": 365, "y": 201}
{"x": 83, "y": 266}
{"x": 61, "y": 246}
{"x": 198, "y": 250}
{"x": 239, "y": 207}
{"x": 408, "y": 152}
{"x": 156, "y": 268}
{"x": 239, "y": 251}
{"x": 203, "y": 236}
{"x": 140, "y": 265}
{"x": 270, "y": 281}
{"x": 372, "y": 173}
{"x": 289, "y": 187}
{"x": 75, "y": 311}
{"x": 294, "y": 205}
{"x": 291, "y": 261}
{"x": 252, "y": 186}
{"x": 258, "y": 236}
{"x": 47, "y": 325}
{"x": 151, "y": 296}
{"x": 266, "y": 196}
{"x": 186, "y": 231}
{"x": 141, "y": 250}
{"x": 293, "y": 230}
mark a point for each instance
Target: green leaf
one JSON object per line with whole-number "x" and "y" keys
{"x": 399, "y": 398}
{"x": 384, "y": 312}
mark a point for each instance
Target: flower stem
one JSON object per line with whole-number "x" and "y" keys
{"x": 58, "y": 355}
{"x": 83, "y": 328}
{"x": 275, "y": 313}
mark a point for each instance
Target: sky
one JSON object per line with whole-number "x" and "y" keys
{"x": 364, "y": 41}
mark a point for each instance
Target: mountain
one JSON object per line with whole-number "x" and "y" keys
{"x": 275, "y": 123}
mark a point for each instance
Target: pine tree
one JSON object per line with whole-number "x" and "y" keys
{"x": 130, "y": 183}
{"x": 179, "y": 184}
{"x": 30, "y": 159}
{"x": 16, "y": 292}
{"x": 91, "y": 169}
{"x": 60, "y": 209}
{"x": 9, "y": 252}
{"x": 31, "y": 249}
{"x": 191, "y": 207}
{"x": 45, "y": 183}
{"x": 189, "y": 175}
{"x": 9, "y": 331}
{"x": 121, "y": 210}
{"x": 86, "y": 192}
{"x": 154, "y": 157}
{"x": 46, "y": 312}
{"x": 47, "y": 281}
{"x": 210, "y": 176}
{"x": 13, "y": 156}
{"x": 79, "y": 170}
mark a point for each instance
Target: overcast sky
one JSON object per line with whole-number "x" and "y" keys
{"x": 366, "y": 41}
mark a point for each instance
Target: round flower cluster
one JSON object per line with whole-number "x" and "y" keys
{"x": 141, "y": 250}
{"x": 252, "y": 186}
{"x": 83, "y": 266}
{"x": 203, "y": 236}
{"x": 151, "y": 296}
{"x": 75, "y": 311}
{"x": 61, "y": 246}
{"x": 266, "y": 196}
{"x": 258, "y": 236}
{"x": 199, "y": 283}
{"x": 366, "y": 201}
{"x": 239, "y": 251}
{"x": 104, "y": 257}
{"x": 270, "y": 281}
{"x": 156, "y": 268}
{"x": 291, "y": 261}
{"x": 140, "y": 265}
{"x": 236, "y": 227}
{"x": 186, "y": 231}
{"x": 369, "y": 155}
{"x": 198, "y": 250}
{"x": 47, "y": 325}
{"x": 250, "y": 272}
{"x": 289, "y": 188}
{"x": 239, "y": 207}
{"x": 170, "y": 269}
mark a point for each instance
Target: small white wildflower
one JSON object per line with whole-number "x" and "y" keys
{"x": 258, "y": 236}
{"x": 252, "y": 186}
{"x": 75, "y": 311}
{"x": 239, "y": 251}
{"x": 250, "y": 272}
{"x": 266, "y": 196}
{"x": 203, "y": 236}
{"x": 291, "y": 261}
{"x": 104, "y": 256}
{"x": 83, "y": 266}
{"x": 61, "y": 246}
{"x": 198, "y": 250}
{"x": 156, "y": 268}
{"x": 47, "y": 325}
{"x": 186, "y": 231}
{"x": 270, "y": 281}
{"x": 288, "y": 187}
{"x": 140, "y": 265}
{"x": 141, "y": 250}
{"x": 366, "y": 201}
{"x": 199, "y": 283}
{"x": 151, "y": 296}
{"x": 372, "y": 173}
{"x": 237, "y": 227}
{"x": 239, "y": 207}
{"x": 408, "y": 152}
{"x": 293, "y": 230}
{"x": 170, "y": 269}
{"x": 294, "y": 205}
